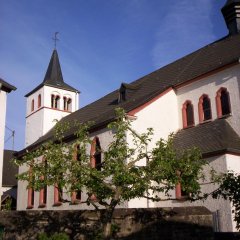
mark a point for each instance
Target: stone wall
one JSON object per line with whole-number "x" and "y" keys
{"x": 191, "y": 223}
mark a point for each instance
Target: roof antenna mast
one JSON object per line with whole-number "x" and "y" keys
{"x": 55, "y": 39}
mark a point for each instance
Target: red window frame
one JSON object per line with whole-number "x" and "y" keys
{"x": 202, "y": 111}
{"x": 76, "y": 195}
{"x": 219, "y": 104}
{"x": 32, "y": 105}
{"x": 185, "y": 115}
{"x": 30, "y": 200}
{"x": 39, "y": 100}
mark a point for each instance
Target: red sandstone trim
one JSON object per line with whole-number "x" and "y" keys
{"x": 184, "y": 114}
{"x": 200, "y": 108}
{"x": 55, "y": 109}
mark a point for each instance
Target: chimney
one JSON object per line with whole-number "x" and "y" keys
{"x": 231, "y": 13}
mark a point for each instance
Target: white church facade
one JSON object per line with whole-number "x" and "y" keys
{"x": 196, "y": 97}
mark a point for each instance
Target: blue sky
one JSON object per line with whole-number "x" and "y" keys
{"x": 102, "y": 43}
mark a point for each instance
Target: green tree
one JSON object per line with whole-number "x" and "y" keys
{"x": 229, "y": 188}
{"x": 120, "y": 178}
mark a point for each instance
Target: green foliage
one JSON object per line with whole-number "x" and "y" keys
{"x": 55, "y": 236}
{"x": 230, "y": 189}
{"x": 8, "y": 205}
{"x": 130, "y": 169}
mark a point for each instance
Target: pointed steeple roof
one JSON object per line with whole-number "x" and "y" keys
{"x": 53, "y": 76}
{"x": 230, "y": 12}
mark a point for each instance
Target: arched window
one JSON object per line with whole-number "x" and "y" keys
{"x": 223, "y": 102}
{"x": 39, "y": 101}
{"x": 30, "y": 203}
{"x": 64, "y": 103}
{"x": 96, "y": 156}
{"x": 52, "y": 101}
{"x": 76, "y": 195}
{"x": 32, "y": 105}
{"x": 187, "y": 114}
{"x": 179, "y": 192}
{"x": 55, "y": 101}
{"x": 43, "y": 191}
{"x": 204, "y": 108}
{"x": 67, "y": 104}
{"x": 57, "y": 195}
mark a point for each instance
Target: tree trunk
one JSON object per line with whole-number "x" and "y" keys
{"x": 107, "y": 222}
{"x": 107, "y": 231}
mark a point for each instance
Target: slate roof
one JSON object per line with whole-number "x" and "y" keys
{"x": 211, "y": 137}
{"x": 6, "y": 86}
{"x": 209, "y": 58}
{"x": 53, "y": 76}
{"x": 9, "y": 170}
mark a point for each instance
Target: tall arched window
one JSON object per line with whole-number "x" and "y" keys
{"x": 57, "y": 195}
{"x": 32, "y": 105}
{"x": 223, "y": 102}
{"x": 204, "y": 108}
{"x": 179, "y": 192}
{"x": 43, "y": 191}
{"x": 76, "y": 195}
{"x": 39, "y": 101}
{"x": 96, "y": 156}
{"x": 187, "y": 114}
{"x": 30, "y": 203}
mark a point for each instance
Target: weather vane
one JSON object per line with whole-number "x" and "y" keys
{"x": 55, "y": 39}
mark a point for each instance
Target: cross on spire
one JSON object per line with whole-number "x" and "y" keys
{"x": 55, "y": 39}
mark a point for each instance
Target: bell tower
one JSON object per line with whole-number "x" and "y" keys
{"x": 52, "y": 100}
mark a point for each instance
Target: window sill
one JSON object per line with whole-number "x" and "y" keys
{"x": 182, "y": 199}
{"x": 43, "y": 205}
{"x": 206, "y": 121}
{"x": 57, "y": 204}
{"x": 225, "y": 116}
{"x": 75, "y": 202}
{"x": 190, "y": 126}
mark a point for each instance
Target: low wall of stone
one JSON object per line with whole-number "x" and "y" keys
{"x": 191, "y": 223}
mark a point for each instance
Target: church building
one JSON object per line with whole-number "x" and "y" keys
{"x": 197, "y": 97}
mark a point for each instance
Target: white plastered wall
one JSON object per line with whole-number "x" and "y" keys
{"x": 3, "y": 103}
{"x": 162, "y": 116}
{"x": 233, "y": 164}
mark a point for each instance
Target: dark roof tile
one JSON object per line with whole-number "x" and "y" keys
{"x": 209, "y": 137}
